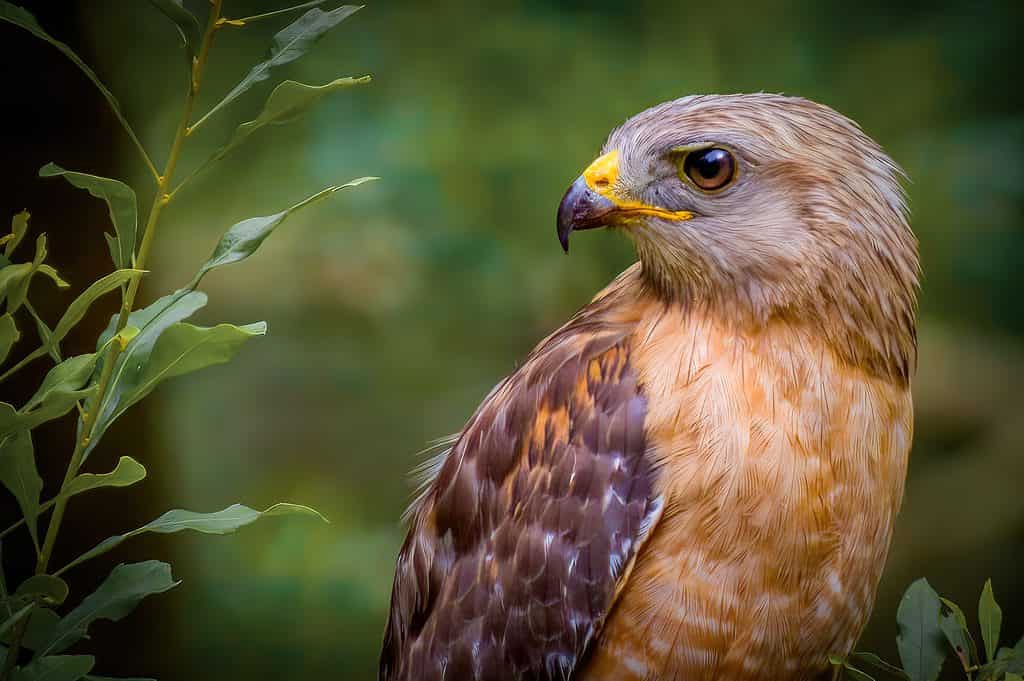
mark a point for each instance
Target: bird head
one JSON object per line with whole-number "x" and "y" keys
{"x": 762, "y": 206}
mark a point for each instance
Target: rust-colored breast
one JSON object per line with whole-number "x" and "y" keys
{"x": 517, "y": 548}
{"x": 782, "y": 471}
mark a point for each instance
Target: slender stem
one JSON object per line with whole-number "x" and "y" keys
{"x": 138, "y": 145}
{"x": 43, "y": 508}
{"x": 266, "y": 15}
{"x": 159, "y": 201}
{"x": 24, "y": 361}
{"x": 76, "y": 460}
{"x": 45, "y": 333}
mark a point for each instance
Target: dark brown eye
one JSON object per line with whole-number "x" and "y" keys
{"x": 710, "y": 169}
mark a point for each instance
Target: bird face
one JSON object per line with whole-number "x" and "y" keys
{"x": 754, "y": 199}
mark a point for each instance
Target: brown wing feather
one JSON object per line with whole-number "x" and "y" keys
{"x": 516, "y": 548}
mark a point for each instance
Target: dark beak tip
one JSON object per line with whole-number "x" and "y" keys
{"x": 581, "y": 208}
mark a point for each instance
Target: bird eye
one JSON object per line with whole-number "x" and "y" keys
{"x": 710, "y": 169}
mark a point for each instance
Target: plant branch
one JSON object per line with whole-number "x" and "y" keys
{"x": 159, "y": 201}
{"x": 43, "y": 508}
{"x": 267, "y": 15}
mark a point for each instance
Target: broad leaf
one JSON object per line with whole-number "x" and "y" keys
{"x": 954, "y": 627}
{"x": 290, "y": 43}
{"x": 220, "y": 522}
{"x": 19, "y": 475}
{"x": 53, "y": 589}
{"x": 186, "y": 23}
{"x": 127, "y": 472}
{"x": 120, "y": 202}
{"x": 131, "y": 364}
{"x": 184, "y": 348}
{"x": 117, "y": 596}
{"x": 9, "y": 335}
{"x": 288, "y": 100}
{"x": 990, "y": 617}
{"x": 64, "y": 385}
{"x": 19, "y": 223}
{"x": 242, "y": 240}
{"x": 41, "y": 625}
{"x": 920, "y": 641}
{"x": 56, "y": 668}
{"x": 68, "y": 376}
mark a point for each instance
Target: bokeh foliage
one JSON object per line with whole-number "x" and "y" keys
{"x": 398, "y": 310}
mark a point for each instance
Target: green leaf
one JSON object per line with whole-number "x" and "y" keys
{"x": 120, "y": 202}
{"x": 184, "y": 348}
{"x": 76, "y": 311}
{"x": 15, "y": 617}
{"x": 56, "y": 668}
{"x": 288, "y": 100}
{"x": 19, "y": 223}
{"x": 9, "y": 335}
{"x": 954, "y": 627}
{"x": 53, "y": 589}
{"x": 874, "y": 661}
{"x": 68, "y": 377}
{"x": 179, "y": 349}
{"x": 186, "y": 23}
{"x": 151, "y": 321}
{"x": 15, "y": 279}
{"x": 41, "y": 625}
{"x": 127, "y": 472}
{"x": 18, "y": 474}
{"x": 242, "y": 240}
{"x": 1010, "y": 676}
{"x": 90, "y": 677}
{"x": 990, "y": 616}
{"x": 220, "y": 522}
{"x": 52, "y": 274}
{"x": 117, "y": 596}
{"x": 63, "y": 386}
{"x": 290, "y": 43}
{"x": 920, "y": 641}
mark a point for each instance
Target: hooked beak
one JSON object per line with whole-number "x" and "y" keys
{"x": 592, "y": 202}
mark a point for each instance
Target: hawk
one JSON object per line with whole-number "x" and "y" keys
{"x": 696, "y": 477}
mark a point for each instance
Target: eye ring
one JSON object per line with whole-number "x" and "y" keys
{"x": 711, "y": 169}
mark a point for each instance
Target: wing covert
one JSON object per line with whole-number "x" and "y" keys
{"x": 516, "y": 548}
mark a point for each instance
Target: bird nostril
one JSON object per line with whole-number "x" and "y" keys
{"x": 601, "y": 183}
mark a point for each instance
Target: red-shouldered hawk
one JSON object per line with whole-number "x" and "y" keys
{"x": 696, "y": 477}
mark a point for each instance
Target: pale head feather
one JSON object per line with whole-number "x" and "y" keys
{"x": 813, "y": 231}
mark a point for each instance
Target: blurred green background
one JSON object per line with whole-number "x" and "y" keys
{"x": 395, "y": 307}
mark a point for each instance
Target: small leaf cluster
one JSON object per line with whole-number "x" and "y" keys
{"x": 932, "y": 629}
{"x": 138, "y": 350}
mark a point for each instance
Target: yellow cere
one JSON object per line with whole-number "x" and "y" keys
{"x": 601, "y": 177}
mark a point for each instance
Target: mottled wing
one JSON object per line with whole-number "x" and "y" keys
{"x": 516, "y": 549}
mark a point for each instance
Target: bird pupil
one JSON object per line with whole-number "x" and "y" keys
{"x": 710, "y": 163}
